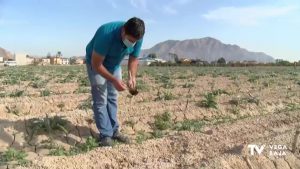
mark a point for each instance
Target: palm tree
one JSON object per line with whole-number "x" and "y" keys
{"x": 174, "y": 56}
{"x": 58, "y": 55}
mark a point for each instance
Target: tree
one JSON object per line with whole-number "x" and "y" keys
{"x": 221, "y": 61}
{"x": 175, "y": 57}
{"x": 152, "y": 55}
{"x": 59, "y": 54}
{"x": 282, "y": 62}
{"x": 48, "y": 55}
{"x": 73, "y": 60}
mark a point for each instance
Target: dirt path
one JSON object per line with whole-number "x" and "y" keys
{"x": 222, "y": 146}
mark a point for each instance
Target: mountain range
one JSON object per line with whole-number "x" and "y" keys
{"x": 5, "y": 54}
{"x": 206, "y": 49}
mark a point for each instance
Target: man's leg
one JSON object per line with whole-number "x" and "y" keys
{"x": 112, "y": 100}
{"x": 99, "y": 96}
{"x": 112, "y": 108}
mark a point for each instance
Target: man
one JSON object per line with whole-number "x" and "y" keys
{"x": 104, "y": 53}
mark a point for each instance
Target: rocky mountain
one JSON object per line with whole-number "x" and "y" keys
{"x": 206, "y": 49}
{"x": 5, "y": 54}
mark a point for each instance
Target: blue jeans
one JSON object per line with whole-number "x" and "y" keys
{"x": 105, "y": 101}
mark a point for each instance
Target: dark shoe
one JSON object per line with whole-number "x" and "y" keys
{"x": 121, "y": 137}
{"x": 106, "y": 142}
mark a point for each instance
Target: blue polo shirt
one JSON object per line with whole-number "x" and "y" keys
{"x": 108, "y": 42}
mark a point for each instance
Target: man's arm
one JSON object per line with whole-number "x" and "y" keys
{"x": 132, "y": 71}
{"x": 97, "y": 64}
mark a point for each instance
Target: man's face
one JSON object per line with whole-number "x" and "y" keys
{"x": 128, "y": 37}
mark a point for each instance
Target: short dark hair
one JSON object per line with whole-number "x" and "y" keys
{"x": 135, "y": 27}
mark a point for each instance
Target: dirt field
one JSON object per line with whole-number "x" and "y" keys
{"x": 183, "y": 117}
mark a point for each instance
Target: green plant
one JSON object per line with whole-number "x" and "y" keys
{"x": 201, "y": 74}
{"x": 83, "y": 81}
{"x": 142, "y": 136}
{"x": 252, "y": 99}
{"x": 2, "y": 94}
{"x": 190, "y": 125}
{"x": 61, "y": 106}
{"x": 235, "y": 110}
{"x": 14, "y": 110}
{"x": 166, "y": 81}
{"x": 58, "y": 151}
{"x": 163, "y": 121}
{"x": 90, "y": 144}
{"x": 188, "y": 85}
{"x": 209, "y": 101}
{"x": 82, "y": 90}
{"x": 165, "y": 96}
{"x": 292, "y": 107}
{"x": 13, "y": 155}
{"x": 237, "y": 100}
{"x": 45, "y": 92}
{"x": 129, "y": 123}
{"x": 11, "y": 81}
{"x": 38, "y": 84}
{"x": 158, "y": 134}
{"x": 49, "y": 125}
{"x": 69, "y": 78}
{"x": 222, "y": 119}
{"x": 214, "y": 74}
{"x": 183, "y": 76}
{"x": 168, "y": 85}
{"x": 17, "y": 93}
{"x": 86, "y": 104}
{"x": 219, "y": 92}
{"x": 142, "y": 86}
{"x": 253, "y": 78}
{"x": 234, "y": 77}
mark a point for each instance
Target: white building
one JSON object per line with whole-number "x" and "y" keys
{"x": 145, "y": 61}
{"x": 45, "y": 61}
{"x": 21, "y": 59}
{"x": 65, "y": 61}
{"x": 29, "y": 60}
{"x": 1, "y": 59}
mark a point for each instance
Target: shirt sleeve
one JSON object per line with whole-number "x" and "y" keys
{"x": 102, "y": 41}
{"x": 137, "y": 48}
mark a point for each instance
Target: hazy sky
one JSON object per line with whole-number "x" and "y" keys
{"x": 40, "y": 26}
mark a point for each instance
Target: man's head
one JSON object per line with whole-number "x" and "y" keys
{"x": 133, "y": 30}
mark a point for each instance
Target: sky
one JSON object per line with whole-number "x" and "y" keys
{"x": 39, "y": 27}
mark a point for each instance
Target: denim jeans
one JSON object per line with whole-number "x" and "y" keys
{"x": 105, "y": 101}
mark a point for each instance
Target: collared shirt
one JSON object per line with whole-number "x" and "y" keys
{"x": 108, "y": 42}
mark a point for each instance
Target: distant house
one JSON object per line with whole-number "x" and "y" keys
{"x": 159, "y": 60}
{"x": 77, "y": 60}
{"x": 65, "y": 61}
{"x": 46, "y": 61}
{"x": 29, "y": 60}
{"x": 185, "y": 61}
{"x": 250, "y": 62}
{"x": 21, "y": 59}
{"x": 41, "y": 61}
{"x": 199, "y": 62}
{"x": 1, "y": 59}
{"x": 56, "y": 61}
{"x": 145, "y": 61}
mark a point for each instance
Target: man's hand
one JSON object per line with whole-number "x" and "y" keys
{"x": 97, "y": 61}
{"x": 119, "y": 85}
{"x": 132, "y": 69}
{"x": 131, "y": 82}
